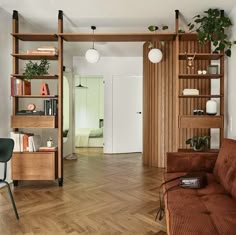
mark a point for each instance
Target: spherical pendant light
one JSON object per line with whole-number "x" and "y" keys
{"x": 155, "y": 55}
{"x": 92, "y": 55}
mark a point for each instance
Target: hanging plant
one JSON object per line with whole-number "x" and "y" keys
{"x": 154, "y": 28}
{"x": 34, "y": 69}
{"x": 211, "y": 27}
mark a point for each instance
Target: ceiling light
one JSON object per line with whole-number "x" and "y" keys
{"x": 92, "y": 55}
{"x": 155, "y": 55}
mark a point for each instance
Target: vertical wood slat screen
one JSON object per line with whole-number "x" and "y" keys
{"x": 159, "y": 100}
{"x": 159, "y": 124}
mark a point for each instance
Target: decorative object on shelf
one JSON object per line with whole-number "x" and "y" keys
{"x": 213, "y": 69}
{"x": 92, "y": 55}
{"x": 190, "y": 60}
{"x": 43, "y": 50}
{"x": 198, "y": 112}
{"x": 210, "y": 27}
{"x": 31, "y": 107}
{"x": 211, "y": 107}
{"x": 44, "y": 90}
{"x": 199, "y": 143}
{"x": 49, "y": 142}
{"x": 190, "y": 92}
{"x": 33, "y": 69}
{"x": 155, "y": 55}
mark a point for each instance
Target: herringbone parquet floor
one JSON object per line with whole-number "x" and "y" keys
{"x": 103, "y": 195}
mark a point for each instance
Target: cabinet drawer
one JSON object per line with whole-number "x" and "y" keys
{"x": 34, "y": 166}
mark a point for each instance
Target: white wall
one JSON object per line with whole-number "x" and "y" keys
{"x": 5, "y": 71}
{"x": 108, "y": 67}
{"x": 231, "y": 107}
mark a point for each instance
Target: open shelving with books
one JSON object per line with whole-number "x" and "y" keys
{"x": 37, "y": 165}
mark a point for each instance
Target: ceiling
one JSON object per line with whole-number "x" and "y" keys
{"x": 108, "y": 16}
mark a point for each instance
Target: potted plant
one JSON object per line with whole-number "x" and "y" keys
{"x": 210, "y": 27}
{"x": 199, "y": 143}
{"x": 31, "y": 69}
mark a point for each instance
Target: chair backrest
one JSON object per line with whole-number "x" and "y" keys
{"x": 6, "y": 149}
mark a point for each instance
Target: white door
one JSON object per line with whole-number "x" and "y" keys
{"x": 127, "y": 114}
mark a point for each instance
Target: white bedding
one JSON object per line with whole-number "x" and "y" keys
{"x": 83, "y": 139}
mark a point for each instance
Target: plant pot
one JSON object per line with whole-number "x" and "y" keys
{"x": 198, "y": 149}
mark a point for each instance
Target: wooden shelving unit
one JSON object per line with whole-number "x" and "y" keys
{"x": 38, "y": 165}
{"x": 187, "y": 77}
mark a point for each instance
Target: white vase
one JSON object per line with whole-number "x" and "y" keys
{"x": 211, "y": 107}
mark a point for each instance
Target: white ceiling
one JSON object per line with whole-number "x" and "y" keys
{"x": 108, "y": 16}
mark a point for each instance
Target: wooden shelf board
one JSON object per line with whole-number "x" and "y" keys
{"x": 201, "y": 56}
{"x": 35, "y": 57}
{"x": 36, "y": 37}
{"x": 201, "y": 121}
{"x": 38, "y": 152}
{"x": 205, "y": 151}
{"x": 200, "y": 96}
{"x": 37, "y": 96}
{"x": 188, "y": 36}
{"x": 117, "y": 37}
{"x": 47, "y": 76}
{"x": 33, "y": 121}
{"x": 200, "y": 76}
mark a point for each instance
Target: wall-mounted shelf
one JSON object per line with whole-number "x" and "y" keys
{"x": 48, "y": 76}
{"x": 33, "y": 121}
{"x": 36, "y": 37}
{"x": 35, "y": 57}
{"x": 200, "y": 76}
{"x": 37, "y": 96}
{"x": 200, "y": 121}
{"x": 201, "y": 56}
{"x": 200, "y": 96}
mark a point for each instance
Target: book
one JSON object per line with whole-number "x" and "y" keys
{"x": 47, "y": 48}
{"x": 26, "y": 88}
{"x": 47, "y": 149}
{"x": 36, "y": 52}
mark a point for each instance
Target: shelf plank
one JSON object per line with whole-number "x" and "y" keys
{"x": 117, "y": 37}
{"x": 200, "y": 96}
{"x": 33, "y": 121}
{"x": 202, "y": 152}
{"x": 201, "y": 121}
{"x": 187, "y": 36}
{"x": 200, "y": 76}
{"x": 45, "y": 37}
{"x": 37, "y": 96}
{"x": 35, "y": 57}
{"x": 201, "y": 56}
{"x": 47, "y": 76}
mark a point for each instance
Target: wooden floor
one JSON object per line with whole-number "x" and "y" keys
{"x": 102, "y": 195}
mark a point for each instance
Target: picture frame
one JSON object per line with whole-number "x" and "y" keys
{"x": 213, "y": 69}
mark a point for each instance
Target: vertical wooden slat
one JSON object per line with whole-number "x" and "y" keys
{"x": 60, "y": 99}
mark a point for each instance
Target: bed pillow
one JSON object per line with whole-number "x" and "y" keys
{"x": 96, "y": 133}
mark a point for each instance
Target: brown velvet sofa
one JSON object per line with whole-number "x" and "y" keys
{"x": 210, "y": 210}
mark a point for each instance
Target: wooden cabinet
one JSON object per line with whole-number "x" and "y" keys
{"x": 188, "y": 78}
{"x": 37, "y": 165}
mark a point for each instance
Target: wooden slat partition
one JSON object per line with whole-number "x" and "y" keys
{"x": 159, "y": 122}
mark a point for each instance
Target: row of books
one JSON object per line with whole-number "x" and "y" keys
{"x": 28, "y": 142}
{"x": 50, "y": 107}
{"x": 20, "y": 87}
{"x": 43, "y": 50}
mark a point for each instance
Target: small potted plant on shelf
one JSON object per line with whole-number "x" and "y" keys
{"x": 210, "y": 27}
{"x": 35, "y": 69}
{"x": 199, "y": 143}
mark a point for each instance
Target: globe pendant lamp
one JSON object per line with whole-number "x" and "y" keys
{"x": 92, "y": 55}
{"x": 155, "y": 55}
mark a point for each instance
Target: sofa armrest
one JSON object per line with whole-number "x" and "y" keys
{"x": 190, "y": 161}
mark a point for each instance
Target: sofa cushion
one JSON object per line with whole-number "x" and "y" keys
{"x": 210, "y": 210}
{"x": 225, "y": 167}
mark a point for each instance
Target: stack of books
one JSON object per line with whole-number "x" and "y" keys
{"x": 43, "y": 50}
{"x": 20, "y": 87}
{"x": 50, "y": 107}
{"x": 48, "y": 149}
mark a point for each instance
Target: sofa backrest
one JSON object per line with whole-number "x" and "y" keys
{"x": 225, "y": 167}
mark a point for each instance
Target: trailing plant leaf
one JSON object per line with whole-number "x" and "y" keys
{"x": 165, "y": 27}
{"x": 153, "y": 28}
{"x": 181, "y": 31}
{"x": 210, "y": 27}
{"x": 32, "y": 69}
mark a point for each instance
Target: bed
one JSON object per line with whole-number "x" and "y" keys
{"x": 89, "y": 137}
